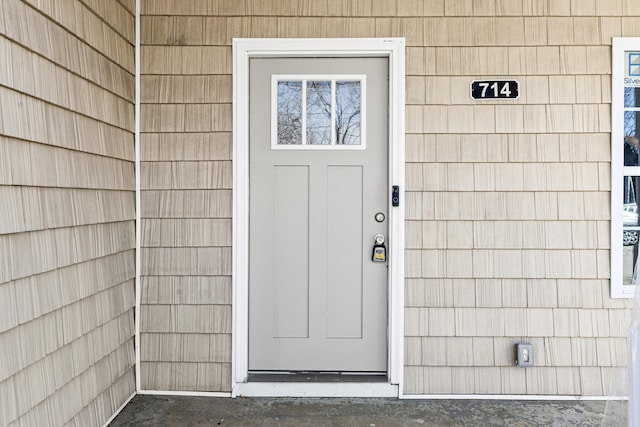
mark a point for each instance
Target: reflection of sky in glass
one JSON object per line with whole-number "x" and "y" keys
{"x": 329, "y": 108}
{"x": 290, "y": 112}
{"x": 629, "y": 123}
{"x": 319, "y": 113}
{"x": 348, "y": 113}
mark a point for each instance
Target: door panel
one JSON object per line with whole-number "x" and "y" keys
{"x": 345, "y": 252}
{"x": 291, "y": 251}
{"x": 317, "y": 302}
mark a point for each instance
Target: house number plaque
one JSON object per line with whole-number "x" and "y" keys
{"x": 495, "y": 89}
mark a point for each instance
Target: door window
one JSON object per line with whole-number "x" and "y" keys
{"x": 318, "y": 112}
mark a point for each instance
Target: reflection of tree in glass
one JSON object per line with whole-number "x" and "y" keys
{"x": 347, "y": 123}
{"x": 290, "y": 112}
{"x": 318, "y": 112}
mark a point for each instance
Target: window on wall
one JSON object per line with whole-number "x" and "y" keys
{"x": 318, "y": 112}
{"x": 625, "y": 167}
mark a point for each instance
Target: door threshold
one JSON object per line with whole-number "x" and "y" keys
{"x": 317, "y": 377}
{"x": 316, "y": 389}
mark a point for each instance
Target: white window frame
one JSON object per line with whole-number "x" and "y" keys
{"x": 243, "y": 50}
{"x": 618, "y": 170}
{"x": 304, "y": 78}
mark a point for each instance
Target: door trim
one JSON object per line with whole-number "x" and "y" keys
{"x": 243, "y": 50}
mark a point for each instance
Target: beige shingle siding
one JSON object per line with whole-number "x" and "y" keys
{"x": 186, "y": 201}
{"x": 66, "y": 226}
{"x": 533, "y": 195}
{"x": 507, "y": 203}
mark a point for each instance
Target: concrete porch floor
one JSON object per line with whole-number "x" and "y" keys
{"x": 145, "y": 410}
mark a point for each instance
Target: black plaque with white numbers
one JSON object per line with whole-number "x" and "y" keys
{"x": 495, "y": 89}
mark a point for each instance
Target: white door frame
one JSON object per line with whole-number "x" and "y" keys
{"x": 243, "y": 50}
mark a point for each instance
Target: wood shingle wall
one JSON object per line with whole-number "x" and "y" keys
{"x": 507, "y": 202}
{"x": 67, "y": 210}
{"x": 186, "y": 207}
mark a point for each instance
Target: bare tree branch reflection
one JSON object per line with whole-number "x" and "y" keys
{"x": 347, "y": 113}
{"x": 347, "y": 118}
{"x": 318, "y": 112}
{"x": 290, "y": 112}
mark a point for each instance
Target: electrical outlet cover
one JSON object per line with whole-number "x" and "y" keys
{"x": 525, "y": 355}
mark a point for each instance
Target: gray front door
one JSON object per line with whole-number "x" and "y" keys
{"x": 318, "y": 177}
